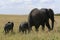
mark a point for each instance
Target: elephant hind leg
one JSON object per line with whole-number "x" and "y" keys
{"x": 11, "y": 30}
{"x": 36, "y": 28}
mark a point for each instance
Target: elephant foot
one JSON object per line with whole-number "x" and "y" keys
{"x": 29, "y": 31}
{"x": 49, "y": 30}
{"x": 52, "y": 29}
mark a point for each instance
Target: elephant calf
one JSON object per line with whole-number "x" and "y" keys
{"x": 8, "y": 27}
{"x": 23, "y": 27}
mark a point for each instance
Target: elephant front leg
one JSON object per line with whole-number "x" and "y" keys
{"x": 48, "y": 26}
{"x": 43, "y": 27}
{"x": 23, "y": 31}
{"x": 26, "y": 31}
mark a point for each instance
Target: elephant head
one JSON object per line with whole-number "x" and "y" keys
{"x": 51, "y": 17}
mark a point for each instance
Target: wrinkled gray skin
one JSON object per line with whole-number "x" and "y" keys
{"x": 23, "y": 27}
{"x": 41, "y": 17}
{"x": 8, "y": 27}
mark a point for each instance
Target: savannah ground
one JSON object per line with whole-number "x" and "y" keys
{"x": 41, "y": 35}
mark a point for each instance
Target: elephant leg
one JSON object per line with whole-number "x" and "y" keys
{"x": 11, "y": 30}
{"x": 36, "y": 28}
{"x": 29, "y": 28}
{"x": 7, "y": 31}
{"x": 43, "y": 26}
{"x": 22, "y": 31}
{"x": 25, "y": 31}
{"x": 48, "y": 26}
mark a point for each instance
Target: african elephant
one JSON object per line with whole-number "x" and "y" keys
{"x": 39, "y": 17}
{"x": 8, "y": 26}
{"x": 23, "y": 27}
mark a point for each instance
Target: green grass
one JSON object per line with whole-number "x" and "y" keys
{"x": 41, "y": 35}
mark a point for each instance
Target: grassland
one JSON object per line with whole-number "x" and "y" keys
{"x": 41, "y": 35}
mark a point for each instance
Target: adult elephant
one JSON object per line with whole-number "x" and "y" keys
{"x": 41, "y": 17}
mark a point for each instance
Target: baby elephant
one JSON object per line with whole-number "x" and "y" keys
{"x": 8, "y": 27}
{"x": 23, "y": 27}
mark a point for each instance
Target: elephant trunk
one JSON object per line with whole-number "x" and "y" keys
{"x": 52, "y": 19}
{"x": 52, "y": 25}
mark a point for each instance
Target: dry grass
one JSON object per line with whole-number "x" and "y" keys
{"x": 52, "y": 35}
